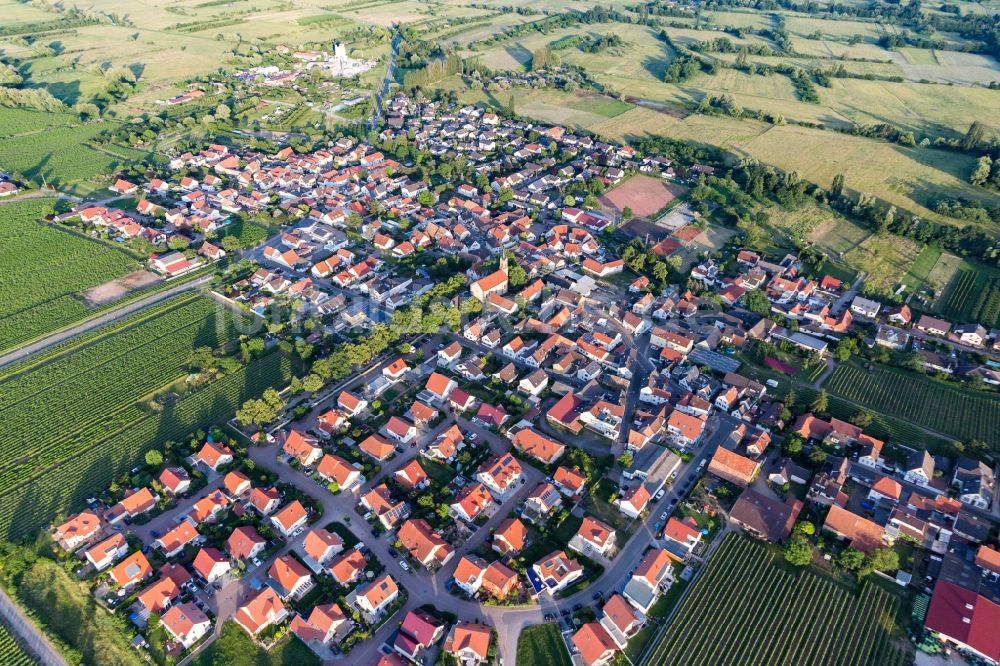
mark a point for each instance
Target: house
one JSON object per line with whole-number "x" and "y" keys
{"x": 131, "y": 570}
{"x": 595, "y": 645}
{"x": 79, "y": 529}
{"x": 542, "y": 500}
{"x": 885, "y": 488}
{"x": 621, "y": 620}
{"x": 380, "y": 502}
{"x": 174, "y": 541}
{"x": 373, "y": 598}
{"x": 469, "y": 643}
{"x": 965, "y": 619}
{"x": 214, "y": 455}
{"x": 175, "y": 480}
{"x": 633, "y": 501}
{"x": 304, "y": 448}
{"x": 290, "y": 578}
{"x": 681, "y": 537}
{"x": 534, "y": 383}
{"x": 569, "y": 481}
{"x": 536, "y": 445}
{"x": 864, "y": 307}
{"x": 348, "y": 567}
{"x": 157, "y": 597}
{"x": 973, "y": 335}
{"x": 211, "y": 564}
{"x": 933, "y": 326}
{"x": 652, "y": 576}
{"x": 418, "y": 632}
{"x": 411, "y": 476}
{"x": 262, "y": 611}
{"x": 290, "y": 518}
{"x": 449, "y": 354}
{"x": 919, "y": 468}
{"x": 424, "y": 545}
{"x": 265, "y": 500}
{"x": 557, "y": 571}
{"x": 321, "y": 545}
{"x": 469, "y": 574}
{"x": 337, "y": 470}
{"x": 510, "y": 537}
{"x": 899, "y": 315}
{"x": 186, "y": 623}
{"x": 326, "y": 622}
{"x": 351, "y": 404}
{"x": 499, "y": 581}
{"x": 446, "y": 445}
{"x": 401, "y": 430}
{"x": 502, "y": 475}
{"x": 236, "y": 483}
{"x": 785, "y": 471}
{"x": 378, "y": 447}
{"x": 593, "y": 538}
{"x": 471, "y": 501}
{"x": 685, "y": 430}
{"x": 733, "y": 467}
{"x": 245, "y": 543}
{"x": 975, "y": 483}
{"x": 440, "y": 386}
{"x": 395, "y": 370}
{"x": 331, "y": 422}
{"x": 863, "y": 534}
{"x": 107, "y": 552}
{"x": 763, "y": 517}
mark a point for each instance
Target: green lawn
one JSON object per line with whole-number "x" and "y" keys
{"x": 542, "y": 645}
{"x": 235, "y": 648}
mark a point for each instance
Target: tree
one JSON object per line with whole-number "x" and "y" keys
{"x": 805, "y": 528}
{"x": 837, "y": 186}
{"x": 974, "y": 136}
{"x": 793, "y": 444}
{"x": 625, "y": 459}
{"x": 863, "y": 418}
{"x": 798, "y": 551}
{"x": 231, "y": 243}
{"x": 755, "y": 301}
{"x": 312, "y": 383}
{"x": 882, "y": 559}
{"x": 980, "y": 174}
{"x": 817, "y": 456}
{"x": 626, "y": 213}
{"x": 821, "y": 403}
{"x": 851, "y": 559}
{"x": 153, "y": 458}
{"x": 201, "y": 359}
{"x": 222, "y": 112}
{"x": 846, "y": 348}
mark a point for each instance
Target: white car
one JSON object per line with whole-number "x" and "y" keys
{"x": 403, "y": 565}
{"x": 256, "y": 562}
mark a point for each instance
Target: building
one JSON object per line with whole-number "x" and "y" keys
{"x": 965, "y": 619}
{"x": 418, "y": 632}
{"x": 262, "y": 611}
{"x": 290, "y": 578}
{"x": 469, "y": 643}
{"x": 78, "y": 530}
{"x": 764, "y": 517}
{"x": 651, "y": 577}
{"x": 594, "y": 538}
{"x": 326, "y": 622}
{"x": 595, "y": 645}
{"x": 733, "y": 467}
{"x": 681, "y": 537}
{"x": 621, "y": 620}
{"x": 424, "y": 545}
{"x": 863, "y": 534}
{"x": 290, "y": 518}
{"x": 557, "y": 571}
{"x": 375, "y": 597}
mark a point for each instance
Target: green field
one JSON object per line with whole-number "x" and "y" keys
{"x": 542, "y": 645}
{"x": 44, "y": 267}
{"x": 748, "y": 608}
{"x": 234, "y": 646}
{"x": 11, "y": 653}
{"x": 77, "y": 418}
{"x": 962, "y": 413}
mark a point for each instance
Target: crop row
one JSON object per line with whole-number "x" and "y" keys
{"x": 84, "y": 395}
{"x": 11, "y": 653}
{"x": 33, "y": 503}
{"x": 956, "y": 301}
{"x": 960, "y": 413}
{"x": 745, "y": 609}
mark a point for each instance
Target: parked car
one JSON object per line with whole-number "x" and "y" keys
{"x": 403, "y": 565}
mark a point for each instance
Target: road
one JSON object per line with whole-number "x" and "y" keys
{"x": 100, "y": 320}
{"x": 29, "y": 634}
{"x": 390, "y": 73}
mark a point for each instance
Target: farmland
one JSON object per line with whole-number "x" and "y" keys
{"x": 44, "y": 267}
{"x": 745, "y": 608}
{"x": 73, "y": 402}
{"x": 972, "y": 294}
{"x": 11, "y": 653}
{"x": 964, "y": 414}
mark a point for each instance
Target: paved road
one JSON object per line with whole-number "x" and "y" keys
{"x": 29, "y": 634}
{"x": 25, "y": 351}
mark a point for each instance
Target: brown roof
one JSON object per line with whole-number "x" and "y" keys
{"x": 865, "y": 535}
{"x": 593, "y": 642}
{"x": 733, "y": 467}
{"x": 768, "y": 518}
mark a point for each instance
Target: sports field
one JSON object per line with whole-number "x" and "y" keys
{"x": 643, "y": 194}
{"x": 746, "y": 608}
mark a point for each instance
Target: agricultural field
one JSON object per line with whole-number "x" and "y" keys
{"x": 45, "y": 267}
{"x": 962, "y": 413}
{"x": 885, "y": 259}
{"x": 747, "y": 608}
{"x": 82, "y": 399}
{"x": 542, "y": 645}
{"x": 11, "y": 653}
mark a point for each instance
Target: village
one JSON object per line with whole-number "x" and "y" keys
{"x": 554, "y": 442}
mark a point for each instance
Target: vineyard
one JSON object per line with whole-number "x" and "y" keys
{"x": 11, "y": 653}
{"x": 963, "y": 414}
{"x": 746, "y": 609}
{"x": 66, "y": 483}
{"x": 972, "y": 295}
{"x": 43, "y": 268}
